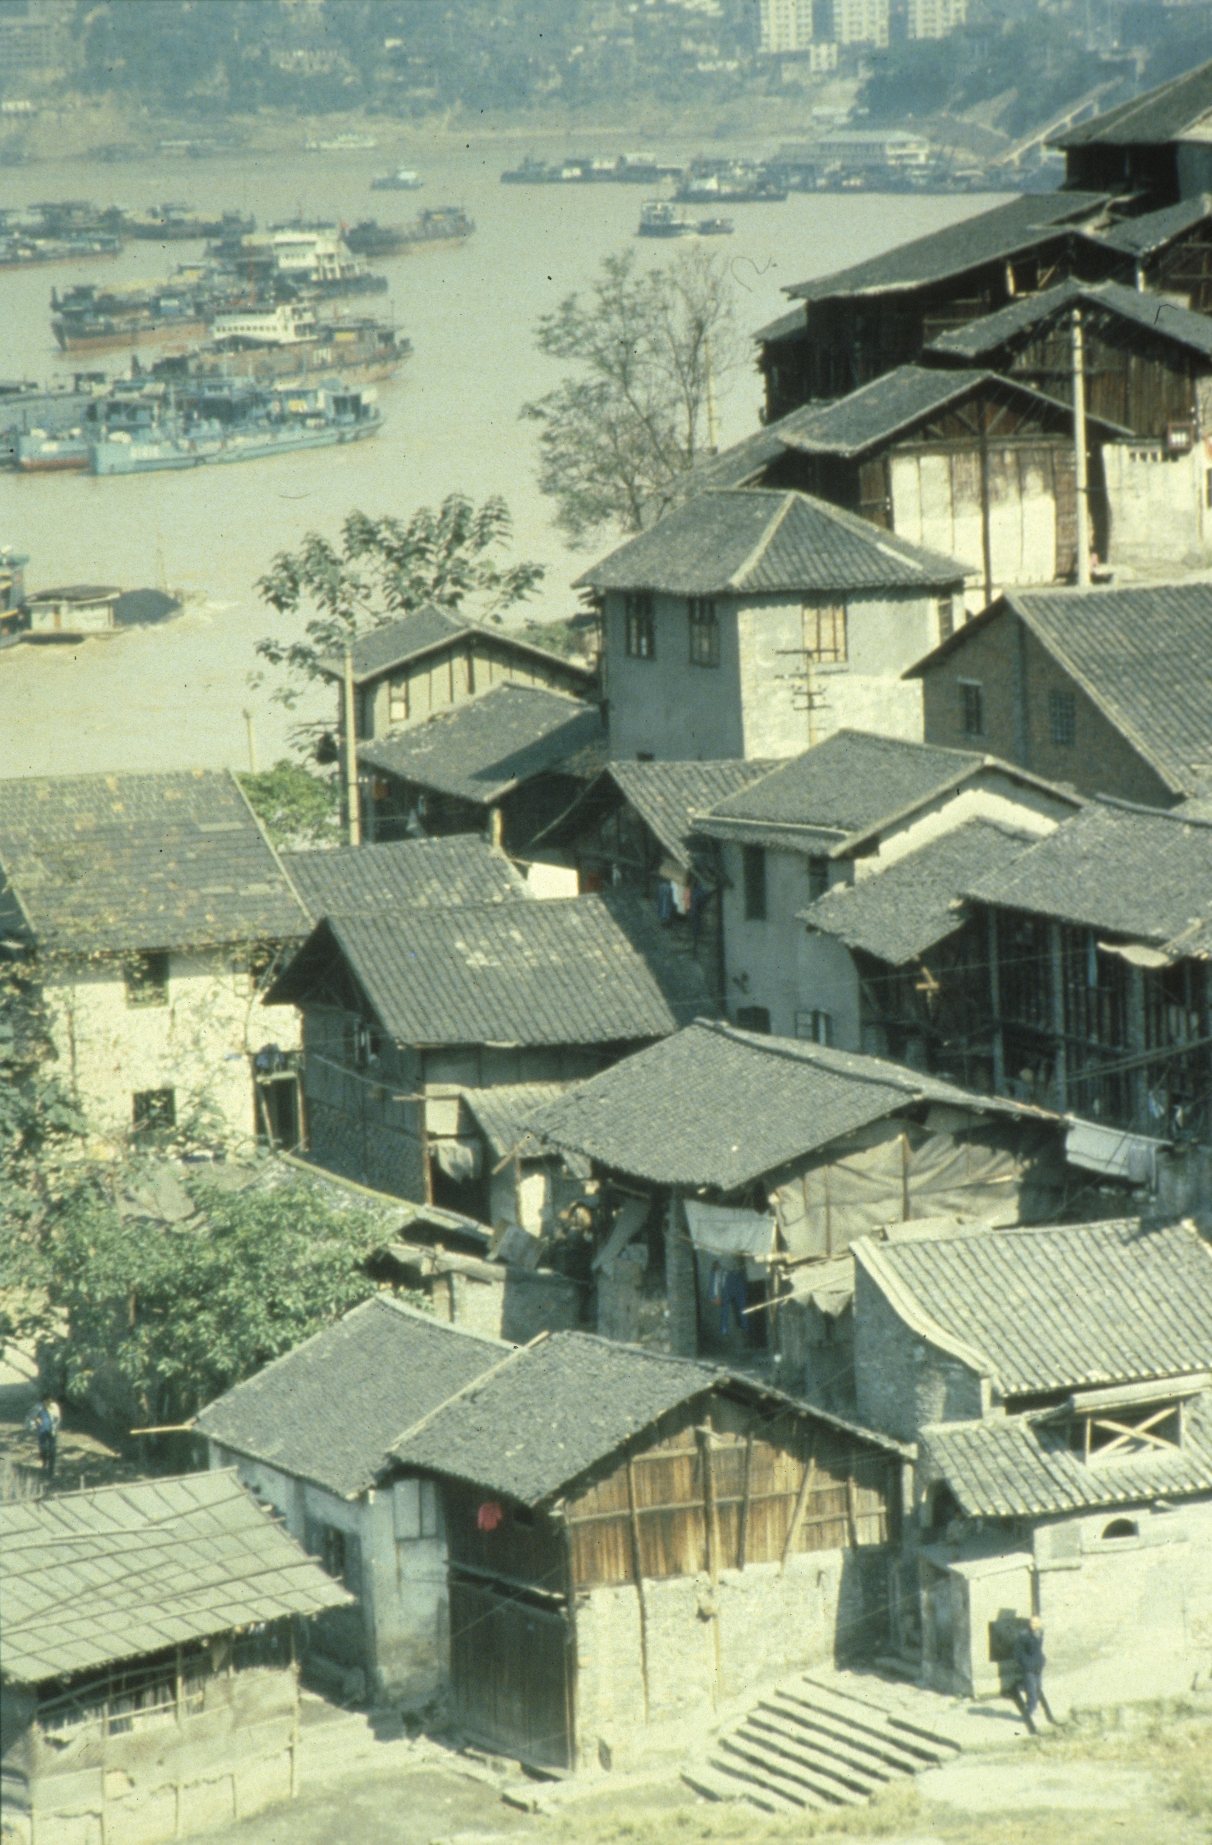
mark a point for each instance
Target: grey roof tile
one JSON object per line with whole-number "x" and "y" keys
{"x": 1166, "y": 113}
{"x": 397, "y": 643}
{"x": 982, "y": 338}
{"x": 71, "y": 1600}
{"x": 761, "y": 541}
{"x": 898, "y": 913}
{"x": 665, "y": 795}
{"x": 568, "y": 970}
{"x": 500, "y": 1112}
{"x": 1134, "y": 871}
{"x": 1153, "y": 230}
{"x": 405, "y": 874}
{"x": 715, "y": 1106}
{"x": 329, "y": 1410}
{"x": 480, "y": 750}
{"x": 1061, "y": 1307}
{"x": 126, "y": 862}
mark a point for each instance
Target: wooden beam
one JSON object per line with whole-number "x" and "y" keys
{"x": 743, "y": 1536}
{"x": 712, "y": 1536}
{"x": 851, "y": 1512}
{"x": 637, "y": 1565}
{"x": 797, "y": 1516}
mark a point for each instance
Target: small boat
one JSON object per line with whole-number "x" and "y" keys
{"x": 442, "y": 224}
{"x": 23, "y": 252}
{"x": 228, "y": 429}
{"x": 341, "y": 144}
{"x": 404, "y": 179}
{"x": 180, "y": 224}
{"x": 735, "y": 187}
{"x": 658, "y": 218}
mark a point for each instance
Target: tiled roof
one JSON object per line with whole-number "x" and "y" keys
{"x": 108, "y": 1574}
{"x": 558, "y": 1407}
{"x": 980, "y": 338}
{"x": 1153, "y": 230}
{"x": 737, "y": 466}
{"x": 665, "y": 795}
{"x": 568, "y": 970}
{"x": 1166, "y": 113}
{"x": 398, "y": 642}
{"x": 410, "y": 874}
{"x": 1016, "y": 1466}
{"x": 784, "y": 327}
{"x": 1066, "y": 1307}
{"x": 329, "y": 1411}
{"x": 126, "y": 862}
{"x": 846, "y": 784}
{"x": 501, "y": 1111}
{"x": 1144, "y": 655}
{"x": 719, "y": 1107}
{"x": 899, "y": 913}
{"x": 1134, "y": 871}
{"x": 761, "y": 541}
{"x": 989, "y": 236}
{"x": 480, "y": 750}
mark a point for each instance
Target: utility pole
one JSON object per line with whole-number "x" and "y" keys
{"x": 353, "y": 817}
{"x": 713, "y": 424}
{"x": 252, "y": 741}
{"x": 1080, "y": 481}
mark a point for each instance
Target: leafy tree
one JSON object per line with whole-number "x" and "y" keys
{"x": 650, "y": 345}
{"x": 295, "y": 806}
{"x": 385, "y": 568}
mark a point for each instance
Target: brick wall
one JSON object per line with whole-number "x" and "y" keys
{"x": 902, "y": 1383}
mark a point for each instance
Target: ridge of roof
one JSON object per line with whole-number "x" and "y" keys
{"x": 434, "y": 627}
{"x": 916, "y": 1317}
{"x": 1151, "y": 312}
{"x": 1164, "y": 113}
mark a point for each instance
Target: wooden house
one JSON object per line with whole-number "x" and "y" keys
{"x": 635, "y": 1539}
{"x": 150, "y": 1646}
{"x": 1155, "y": 144}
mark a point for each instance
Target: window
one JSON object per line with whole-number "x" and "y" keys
{"x": 944, "y": 614}
{"x": 972, "y": 708}
{"x": 154, "y": 1111}
{"x": 337, "y": 1552}
{"x": 147, "y": 980}
{"x": 814, "y": 1027}
{"x": 397, "y": 701}
{"x": 704, "y": 633}
{"x": 640, "y": 627}
{"x": 415, "y": 1509}
{"x": 753, "y": 1018}
{"x": 754, "y": 867}
{"x": 1062, "y": 719}
{"x": 818, "y": 878}
{"x": 825, "y": 633}
{"x": 1121, "y": 1528}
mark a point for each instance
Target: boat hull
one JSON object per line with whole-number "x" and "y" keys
{"x": 109, "y": 458}
{"x": 133, "y": 335}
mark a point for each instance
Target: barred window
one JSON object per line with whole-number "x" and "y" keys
{"x": 972, "y": 708}
{"x": 825, "y": 637}
{"x": 640, "y": 627}
{"x": 153, "y": 1110}
{"x": 1062, "y": 719}
{"x": 818, "y": 878}
{"x": 753, "y": 860}
{"x": 704, "y": 633}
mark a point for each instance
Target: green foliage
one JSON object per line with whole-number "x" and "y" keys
{"x": 385, "y": 568}
{"x": 295, "y": 806}
{"x": 651, "y": 346}
{"x": 184, "y": 1311}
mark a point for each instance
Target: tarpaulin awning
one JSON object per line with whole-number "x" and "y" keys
{"x": 719, "y": 1230}
{"x": 1109, "y": 1150}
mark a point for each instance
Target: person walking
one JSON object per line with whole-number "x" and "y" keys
{"x": 43, "y": 1421}
{"x": 1029, "y": 1658}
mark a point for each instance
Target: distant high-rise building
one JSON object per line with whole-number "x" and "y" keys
{"x": 860, "y": 22}
{"x": 786, "y": 25}
{"x": 936, "y": 18}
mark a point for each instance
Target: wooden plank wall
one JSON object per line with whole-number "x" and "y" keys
{"x": 724, "y": 1485}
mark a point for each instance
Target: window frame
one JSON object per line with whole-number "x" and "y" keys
{"x": 754, "y": 890}
{"x": 832, "y": 653}
{"x": 153, "y": 1119}
{"x": 1062, "y": 719}
{"x": 639, "y": 625}
{"x": 749, "y": 1018}
{"x": 703, "y": 624}
{"x": 146, "y": 977}
{"x": 944, "y": 618}
{"x": 972, "y": 704}
{"x": 817, "y": 869}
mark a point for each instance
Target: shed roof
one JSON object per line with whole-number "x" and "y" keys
{"x": 716, "y": 1106}
{"x": 128, "y": 862}
{"x": 399, "y": 643}
{"x": 1066, "y": 1306}
{"x": 117, "y": 1571}
{"x": 1134, "y": 871}
{"x": 406, "y": 874}
{"x": 1017, "y": 1466}
{"x": 665, "y": 795}
{"x": 1143, "y": 655}
{"x": 568, "y": 970}
{"x": 560, "y": 1406}
{"x": 989, "y": 236}
{"x": 899, "y": 913}
{"x": 761, "y": 541}
{"x": 330, "y": 1409}
{"x": 1169, "y": 112}
{"x": 481, "y": 750}
{"x": 1151, "y": 313}
{"x": 1152, "y": 230}
{"x": 502, "y": 1111}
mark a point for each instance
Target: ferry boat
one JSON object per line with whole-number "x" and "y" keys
{"x": 736, "y": 185}
{"x": 659, "y": 218}
{"x": 289, "y": 342}
{"x": 404, "y": 179}
{"x": 443, "y": 224}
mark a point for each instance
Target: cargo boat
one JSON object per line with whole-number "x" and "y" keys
{"x": 404, "y": 179}
{"x": 22, "y": 252}
{"x": 443, "y": 224}
{"x": 658, "y": 218}
{"x": 733, "y": 186}
{"x": 180, "y": 224}
{"x": 88, "y": 319}
{"x": 582, "y": 170}
{"x": 322, "y": 417}
{"x": 288, "y": 342}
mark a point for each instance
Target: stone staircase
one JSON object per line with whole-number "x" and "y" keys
{"x": 820, "y": 1743}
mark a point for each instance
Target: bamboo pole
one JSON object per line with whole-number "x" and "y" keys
{"x": 353, "y": 817}
{"x": 801, "y": 1506}
{"x": 1080, "y": 480}
{"x": 743, "y": 1538}
{"x": 637, "y": 1565}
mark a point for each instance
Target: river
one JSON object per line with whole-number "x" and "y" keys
{"x": 173, "y": 696}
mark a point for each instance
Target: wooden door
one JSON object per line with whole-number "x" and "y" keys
{"x": 511, "y": 1672}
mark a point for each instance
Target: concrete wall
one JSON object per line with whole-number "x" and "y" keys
{"x": 902, "y": 1382}
{"x": 709, "y": 1643}
{"x": 1155, "y": 501}
{"x": 664, "y": 707}
{"x": 199, "y": 1044}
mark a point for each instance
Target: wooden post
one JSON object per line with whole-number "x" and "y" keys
{"x": 995, "y": 996}
{"x": 1080, "y": 481}
{"x": 986, "y": 536}
{"x": 179, "y": 1687}
{"x": 712, "y": 1536}
{"x": 637, "y": 1566}
{"x": 353, "y": 816}
{"x": 743, "y": 1538}
{"x": 851, "y": 1512}
{"x": 1138, "y": 1079}
{"x": 1056, "y": 968}
{"x": 801, "y": 1506}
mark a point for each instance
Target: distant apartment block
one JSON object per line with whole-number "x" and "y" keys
{"x": 31, "y": 36}
{"x": 785, "y": 25}
{"x": 935, "y": 18}
{"x": 860, "y": 22}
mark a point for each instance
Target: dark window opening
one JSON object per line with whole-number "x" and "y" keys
{"x": 944, "y": 613}
{"x": 972, "y": 708}
{"x": 753, "y": 1018}
{"x": 147, "y": 980}
{"x": 154, "y": 1111}
{"x": 1121, "y": 1528}
{"x": 944, "y": 1507}
{"x": 1062, "y": 719}
{"x": 754, "y": 868}
{"x": 339, "y": 1553}
{"x": 640, "y": 627}
{"x": 704, "y": 633}
{"x": 814, "y": 1027}
{"x": 818, "y": 878}
{"x": 825, "y": 638}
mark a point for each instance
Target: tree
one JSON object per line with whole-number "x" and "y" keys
{"x": 650, "y": 346}
{"x": 385, "y": 568}
{"x": 296, "y": 807}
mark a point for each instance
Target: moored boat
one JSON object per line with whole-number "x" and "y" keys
{"x": 289, "y": 342}
{"x": 404, "y": 179}
{"x": 280, "y": 424}
{"x": 658, "y": 218}
{"x": 181, "y": 224}
{"x": 441, "y": 224}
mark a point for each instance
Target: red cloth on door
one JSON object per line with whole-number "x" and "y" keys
{"x": 489, "y": 1515}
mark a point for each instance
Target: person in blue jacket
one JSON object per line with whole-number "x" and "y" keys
{"x": 1029, "y": 1658}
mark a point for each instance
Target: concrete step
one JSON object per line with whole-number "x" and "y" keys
{"x": 819, "y": 1759}
{"x": 812, "y": 1742}
{"x": 819, "y": 1785}
{"x": 876, "y": 1719}
{"x": 736, "y": 1779}
{"x": 872, "y": 1746}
